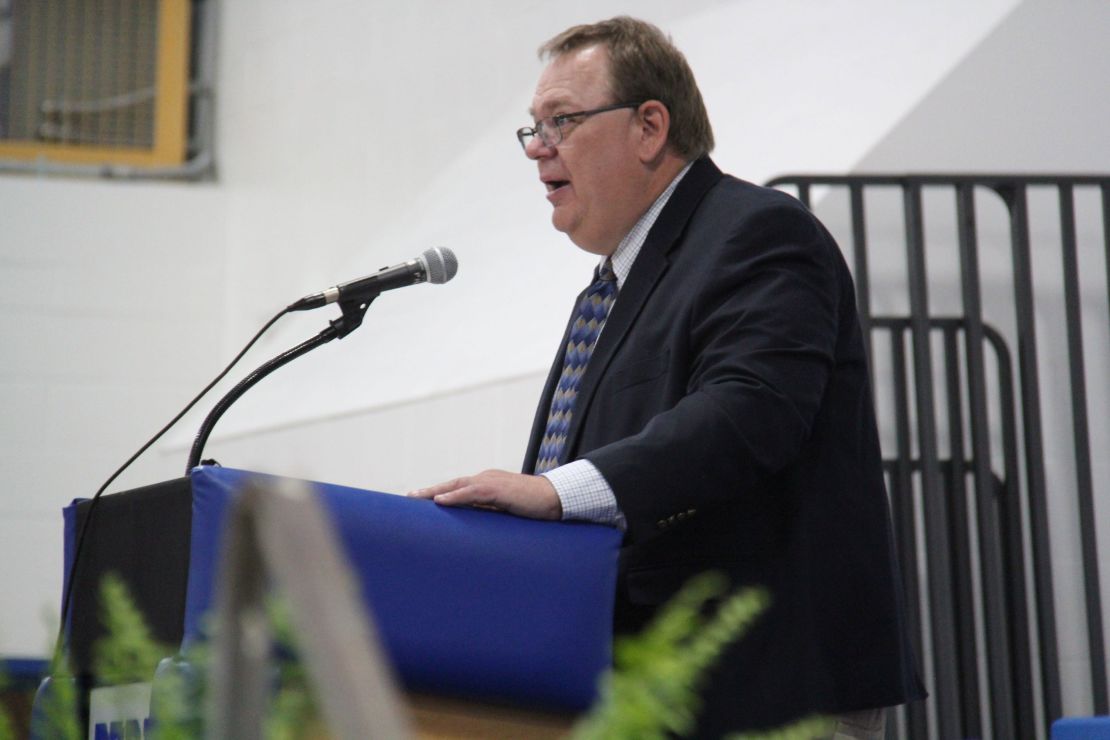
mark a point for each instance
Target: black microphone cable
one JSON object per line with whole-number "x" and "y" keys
{"x": 435, "y": 266}
{"x": 71, "y": 573}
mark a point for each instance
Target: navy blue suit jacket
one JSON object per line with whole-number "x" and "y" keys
{"x": 727, "y": 404}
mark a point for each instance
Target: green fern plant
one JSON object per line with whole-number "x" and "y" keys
{"x": 127, "y": 653}
{"x": 7, "y": 728}
{"x": 653, "y": 690}
{"x": 59, "y": 708}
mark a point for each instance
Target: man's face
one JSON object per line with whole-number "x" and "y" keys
{"x": 594, "y": 176}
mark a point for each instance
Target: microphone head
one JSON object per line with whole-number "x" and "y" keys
{"x": 440, "y": 263}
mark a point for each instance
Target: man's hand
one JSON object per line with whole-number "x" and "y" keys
{"x": 532, "y": 496}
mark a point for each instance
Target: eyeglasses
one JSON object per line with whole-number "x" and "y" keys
{"x": 550, "y": 130}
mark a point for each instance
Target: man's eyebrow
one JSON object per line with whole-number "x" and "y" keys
{"x": 554, "y": 104}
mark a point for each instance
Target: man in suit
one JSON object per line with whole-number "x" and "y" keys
{"x": 712, "y": 397}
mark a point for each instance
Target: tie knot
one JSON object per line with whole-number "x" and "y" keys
{"x": 605, "y": 271}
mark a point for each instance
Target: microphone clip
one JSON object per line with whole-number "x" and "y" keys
{"x": 351, "y": 317}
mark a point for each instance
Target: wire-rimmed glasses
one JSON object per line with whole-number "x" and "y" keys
{"x": 550, "y": 130}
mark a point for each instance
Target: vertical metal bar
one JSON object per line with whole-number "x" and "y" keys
{"x": 46, "y": 59}
{"x": 998, "y": 624}
{"x": 803, "y": 193}
{"x": 84, "y": 83}
{"x": 902, "y": 511}
{"x": 96, "y": 86}
{"x": 8, "y": 125}
{"x": 1013, "y": 540}
{"x": 71, "y": 90}
{"x": 33, "y": 65}
{"x": 1106, "y": 231}
{"x": 1015, "y": 196}
{"x": 934, "y": 504}
{"x": 203, "y": 76}
{"x": 59, "y": 52}
{"x": 862, "y": 274}
{"x": 119, "y": 73}
{"x": 109, "y": 48}
{"x": 140, "y": 60}
{"x": 960, "y": 530}
{"x": 143, "y": 63}
{"x": 36, "y": 66}
{"x": 1082, "y": 442}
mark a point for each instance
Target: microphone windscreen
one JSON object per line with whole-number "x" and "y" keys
{"x": 442, "y": 264}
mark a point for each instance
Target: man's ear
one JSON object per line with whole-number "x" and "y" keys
{"x": 655, "y": 125}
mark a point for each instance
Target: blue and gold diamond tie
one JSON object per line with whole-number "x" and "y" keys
{"x": 592, "y": 312}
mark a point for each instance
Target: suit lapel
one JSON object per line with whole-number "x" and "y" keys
{"x": 650, "y": 265}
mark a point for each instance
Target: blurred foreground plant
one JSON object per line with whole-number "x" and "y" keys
{"x": 7, "y": 729}
{"x": 653, "y": 691}
{"x": 128, "y": 653}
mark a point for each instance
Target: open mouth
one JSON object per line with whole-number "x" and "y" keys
{"x": 553, "y": 185}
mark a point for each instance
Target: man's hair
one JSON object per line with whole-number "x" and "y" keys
{"x": 645, "y": 65}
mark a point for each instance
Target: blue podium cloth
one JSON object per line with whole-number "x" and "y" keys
{"x": 467, "y": 602}
{"x": 23, "y": 673}
{"x": 1081, "y": 728}
{"x": 69, "y": 544}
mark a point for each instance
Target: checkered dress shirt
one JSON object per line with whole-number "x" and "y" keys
{"x": 583, "y": 491}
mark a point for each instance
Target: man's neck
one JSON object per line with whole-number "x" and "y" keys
{"x": 628, "y": 250}
{"x": 662, "y": 173}
{"x": 658, "y": 176}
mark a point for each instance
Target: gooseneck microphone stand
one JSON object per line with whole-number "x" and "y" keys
{"x": 434, "y": 266}
{"x": 351, "y": 319}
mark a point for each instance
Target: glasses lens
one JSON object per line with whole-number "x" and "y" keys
{"x": 549, "y": 131}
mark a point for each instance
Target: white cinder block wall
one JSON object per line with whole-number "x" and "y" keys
{"x": 111, "y": 303}
{"x": 352, "y": 135}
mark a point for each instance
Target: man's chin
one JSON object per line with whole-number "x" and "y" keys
{"x": 592, "y": 246}
{"x": 580, "y": 239}
{"x": 562, "y": 223}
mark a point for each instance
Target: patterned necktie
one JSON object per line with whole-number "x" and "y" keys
{"x": 591, "y": 315}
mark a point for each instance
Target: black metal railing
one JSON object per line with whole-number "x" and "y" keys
{"x": 973, "y": 506}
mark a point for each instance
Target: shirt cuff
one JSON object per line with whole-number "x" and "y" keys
{"x": 585, "y": 494}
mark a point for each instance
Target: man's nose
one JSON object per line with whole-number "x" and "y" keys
{"x": 537, "y": 149}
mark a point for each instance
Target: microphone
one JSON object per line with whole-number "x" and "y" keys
{"x": 437, "y": 265}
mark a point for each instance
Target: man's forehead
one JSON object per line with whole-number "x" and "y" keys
{"x": 572, "y": 78}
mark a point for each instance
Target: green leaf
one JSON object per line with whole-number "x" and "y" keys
{"x": 653, "y": 689}
{"x": 127, "y": 653}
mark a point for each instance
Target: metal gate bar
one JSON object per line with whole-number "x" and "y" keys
{"x": 900, "y": 476}
{"x": 1082, "y": 445}
{"x": 1015, "y": 651}
{"x": 934, "y": 503}
{"x": 998, "y": 522}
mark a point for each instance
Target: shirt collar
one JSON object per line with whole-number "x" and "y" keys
{"x": 629, "y": 248}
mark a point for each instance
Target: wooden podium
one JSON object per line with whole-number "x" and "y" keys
{"x": 439, "y": 718}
